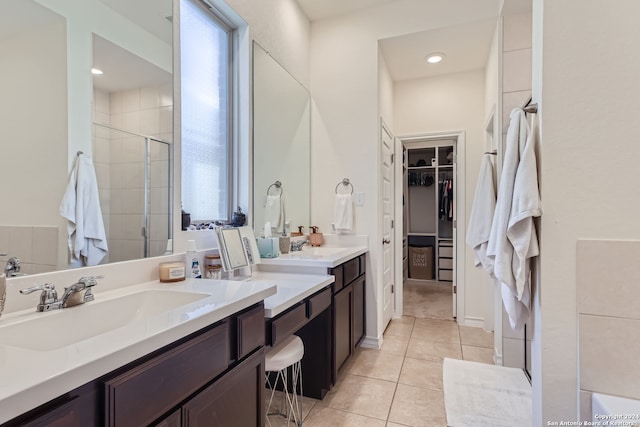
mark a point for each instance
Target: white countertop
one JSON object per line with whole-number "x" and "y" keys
{"x": 291, "y": 289}
{"x": 30, "y": 376}
{"x": 322, "y": 256}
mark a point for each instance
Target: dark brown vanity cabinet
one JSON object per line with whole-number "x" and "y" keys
{"x": 213, "y": 377}
{"x": 348, "y": 310}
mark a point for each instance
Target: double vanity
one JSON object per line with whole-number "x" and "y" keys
{"x": 182, "y": 354}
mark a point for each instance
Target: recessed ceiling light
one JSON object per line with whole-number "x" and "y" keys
{"x": 96, "y": 72}
{"x": 434, "y": 58}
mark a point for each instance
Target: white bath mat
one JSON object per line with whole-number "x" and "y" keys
{"x": 481, "y": 395}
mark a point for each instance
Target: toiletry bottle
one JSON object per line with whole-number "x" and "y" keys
{"x": 191, "y": 261}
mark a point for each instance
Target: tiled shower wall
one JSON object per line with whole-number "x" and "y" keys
{"x": 516, "y": 90}
{"x": 608, "y": 286}
{"x": 119, "y": 160}
{"x": 35, "y": 247}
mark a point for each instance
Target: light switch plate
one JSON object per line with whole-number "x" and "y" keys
{"x": 359, "y": 197}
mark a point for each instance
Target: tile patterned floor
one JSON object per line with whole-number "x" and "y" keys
{"x": 400, "y": 384}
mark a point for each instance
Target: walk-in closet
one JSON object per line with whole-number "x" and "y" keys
{"x": 429, "y": 168}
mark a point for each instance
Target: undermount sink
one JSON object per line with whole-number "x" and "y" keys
{"x": 60, "y": 328}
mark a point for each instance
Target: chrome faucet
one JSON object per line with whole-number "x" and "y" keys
{"x": 12, "y": 269}
{"x": 297, "y": 245}
{"x": 78, "y": 293}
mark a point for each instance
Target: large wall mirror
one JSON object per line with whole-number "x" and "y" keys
{"x": 281, "y": 142}
{"x": 52, "y": 107}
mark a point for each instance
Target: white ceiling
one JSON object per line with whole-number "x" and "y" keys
{"x": 466, "y": 46}
{"x": 320, "y": 9}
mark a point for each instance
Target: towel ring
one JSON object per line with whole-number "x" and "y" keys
{"x": 346, "y": 183}
{"x": 276, "y": 184}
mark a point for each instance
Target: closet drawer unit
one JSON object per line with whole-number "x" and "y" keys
{"x": 445, "y": 251}
{"x": 351, "y": 270}
{"x": 445, "y": 275}
{"x": 445, "y": 263}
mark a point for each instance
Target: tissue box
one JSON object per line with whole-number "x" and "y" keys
{"x": 269, "y": 247}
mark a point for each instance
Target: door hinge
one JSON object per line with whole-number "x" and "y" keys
{"x": 392, "y": 222}
{"x": 392, "y": 158}
{"x": 455, "y": 289}
{"x": 393, "y": 289}
{"x": 455, "y": 223}
{"x": 144, "y": 231}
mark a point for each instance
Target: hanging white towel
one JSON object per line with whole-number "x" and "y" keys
{"x": 343, "y": 213}
{"x": 513, "y": 240}
{"x": 274, "y": 211}
{"x": 81, "y": 208}
{"x": 484, "y": 205}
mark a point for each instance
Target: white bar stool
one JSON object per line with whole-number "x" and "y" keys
{"x": 288, "y": 354}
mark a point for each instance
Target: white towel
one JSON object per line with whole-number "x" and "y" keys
{"x": 343, "y": 212}
{"x": 81, "y": 208}
{"x": 274, "y": 211}
{"x": 513, "y": 240}
{"x": 484, "y": 205}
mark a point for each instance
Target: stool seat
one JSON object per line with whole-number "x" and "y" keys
{"x": 284, "y": 355}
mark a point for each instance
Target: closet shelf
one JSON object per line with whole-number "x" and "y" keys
{"x": 421, "y": 234}
{"x": 411, "y": 168}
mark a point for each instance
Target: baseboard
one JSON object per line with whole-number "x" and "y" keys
{"x": 476, "y": 322}
{"x": 497, "y": 357}
{"x": 370, "y": 342}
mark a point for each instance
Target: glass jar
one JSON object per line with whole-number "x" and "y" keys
{"x": 211, "y": 260}
{"x": 213, "y": 272}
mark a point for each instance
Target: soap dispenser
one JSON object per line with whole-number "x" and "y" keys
{"x": 315, "y": 237}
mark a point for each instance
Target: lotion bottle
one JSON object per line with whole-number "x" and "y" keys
{"x": 191, "y": 261}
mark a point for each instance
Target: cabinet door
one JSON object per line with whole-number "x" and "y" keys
{"x": 358, "y": 310}
{"x": 342, "y": 338}
{"x": 173, "y": 420}
{"x": 236, "y": 400}
{"x": 65, "y": 415}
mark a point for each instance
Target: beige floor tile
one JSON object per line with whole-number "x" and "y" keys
{"x": 436, "y": 333}
{"x": 428, "y": 299}
{"x": 322, "y": 416}
{"x": 477, "y": 354}
{"x": 390, "y": 424}
{"x": 400, "y": 327}
{"x": 415, "y": 406}
{"x": 376, "y": 364}
{"x": 361, "y": 395}
{"x": 476, "y": 336}
{"x": 421, "y": 373}
{"x": 424, "y": 321}
{"x": 433, "y": 350}
{"x": 392, "y": 344}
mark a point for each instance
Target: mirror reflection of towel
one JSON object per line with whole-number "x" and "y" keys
{"x": 343, "y": 212}
{"x": 81, "y": 208}
{"x": 274, "y": 211}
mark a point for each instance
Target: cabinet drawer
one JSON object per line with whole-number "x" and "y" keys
{"x": 140, "y": 395}
{"x": 445, "y": 263}
{"x": 250, "y": 330}
{"x": 337, "y": 272}
{"x": 288, "y": 323}
{"x": 319, "y": 303}
{"x": 445, "y": 251}
{"x": 351, "y": 270}
{"x": 446, "y": 275}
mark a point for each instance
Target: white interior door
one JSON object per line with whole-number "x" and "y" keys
{"x": 388, "y": 240}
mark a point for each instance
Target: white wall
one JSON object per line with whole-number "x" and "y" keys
{"x": 344, "y": 84}
{"x": 586, "y": 85}
{"x": 448, "y": 103}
